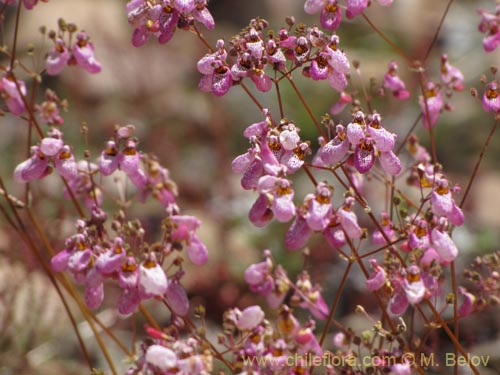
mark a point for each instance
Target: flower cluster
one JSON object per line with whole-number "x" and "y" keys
{"x": 317, "y": 51}
{"x": 431, "y": 102}
{"x": 92, "y": 256}
{"x": 162, "y": 18}
{"x": 165, "y": 354}
{"x": 80, "y": 53}
{"x": 262, "y": 347}
{"x": 272, "y": 282}
{"x": 331, "y": 14}
{"x": 51, "y": 151}
{"x": 489, "y": 25}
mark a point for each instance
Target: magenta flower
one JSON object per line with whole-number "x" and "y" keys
{"x": 184, "y": 6}
{"x": 58, "y": 58}
{"x": 177, "y": 298}
{"x": 467, "y": 305}
{"x": 33, "y": 168}
{"x": 152, "y": 278}
{"x": 111, "y": 259}
{"x": 451, "y": 75}
{"x": 386, "y": 224}
{"x": 152, "y": 19}
{"x": 203, "y": 15}
{"x": 160, "y": 358}
{"x": 489, "y": 25}
{"x": 259, "y": 278}
{"x": 184, "y": 231}
{"x": 378, "y": 278}
{"x": 414, "y": 285}
{"x": 348, "y": 219}
{"x": 83, "y": 51}
{"x": 311, "y": 297}
{"x": 319, "y": 207}
{"x": 443, "y": 204}
{"x": 444, "y": 245}
{"x": 355, "y": 7}
{"x": 431, "y": 111}
{"x": 331, "y": 16}
{"x": 340, "y": 105}
{"x": 216, "y": 73}
{"x": 282, "y": 196}
{"x": 394, "y": 83}
{"x": 491, "y": 101}
{"x": 12, "y": 95}
{"x": 314, "y": 6}
{"x": 334, "y": 151}
{"x": 250, "y": 318}
{"x": 49, "y": 109}
{"x": 298, "y": 233}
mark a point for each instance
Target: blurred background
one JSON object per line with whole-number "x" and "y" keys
{"x": 197, "y": 136}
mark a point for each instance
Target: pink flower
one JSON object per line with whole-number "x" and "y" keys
{"x": 314, "y": 6}
{"x": 184, "y": 6}
{"x": 451, "y": 75}
{"x": 401, "y": 369}
{"x": 282, "y": 196}
{"x": 58, "y": 58}
{"x": 216, "y": 73}
{"x": 378, "y": 238}
{"x": 378, "y": 279}
{"x": 394, "y": 83}
{"x": 442, "y": 203}
{"x": 83, "y": 51}
{"x": 334, "y": 151}
{"x": 33, "y": 168}
{"x": 444, "y": 245}
{"x": 258, "y": 276}
{"x": 161, "y": 358}
{"x": 468, "y": 302}
{"x": 12, "y": 95}
{"x": 203, "y": 15}
{"x": 348, "y": 219}
{"x": 111, "y": 259}
{"x": 431, "y": 111}
{"x": 331, "y": 16}
{"x": 250, "y": 318}
{"x": 298, "y": 233}
{"x": 414, "y": 285}
{"x": 177, "y": 298}
{"x": 152, "y": 278}
{"x": 491, "y": 101}
{"x": 339, "y": 106}
{"x": 355, "y": 7}
{"x": 94, "y": 295}
{"x": 320, "y": 207}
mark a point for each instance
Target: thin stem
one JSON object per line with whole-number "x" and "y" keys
{"x": 73, "y": 198}
{"x": 387, "y": 40}
{"x": 452, "y": 337}
{"x": 69, "y": 288}
{"x": 456, "y": 323}
{"x": 202, "y": 39}
{"x": 436, "y": 34}
{"x": 476, "y": 167}
{"x": 14, "y": 43}
{"x": 306, "y": 106}
{"x": 335, "y": 302}
{"x": 278, "y": 93}
{"x": 427, "y": 114}
{"x": 254, "y": 99}
{"x": 412, "y": 128}
{"x": 363, "y": 88}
